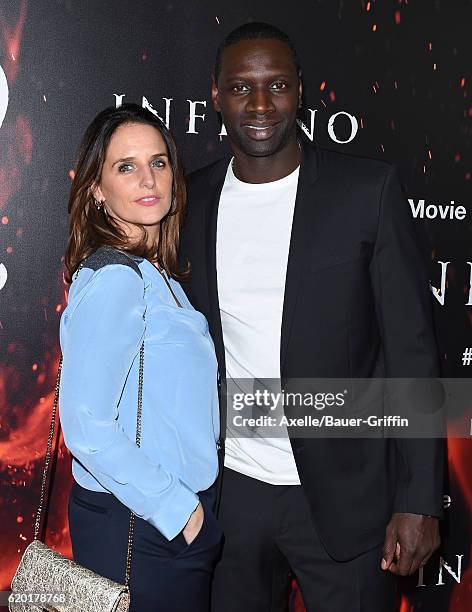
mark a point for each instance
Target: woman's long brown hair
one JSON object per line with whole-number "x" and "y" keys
{"x": 90, "y": 228}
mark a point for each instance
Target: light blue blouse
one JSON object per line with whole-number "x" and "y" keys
{"x": 101, "y": 333}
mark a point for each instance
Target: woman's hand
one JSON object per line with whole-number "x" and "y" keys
{"x": 194, "y": 524}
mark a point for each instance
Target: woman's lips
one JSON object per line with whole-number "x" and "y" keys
{"x": 148, "y": 201}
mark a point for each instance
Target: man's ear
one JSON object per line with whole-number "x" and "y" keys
{"x": 300, "y": 89}
{"x": 215, "y": 95}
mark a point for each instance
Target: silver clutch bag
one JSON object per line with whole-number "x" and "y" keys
{"x": 46, "y": 580}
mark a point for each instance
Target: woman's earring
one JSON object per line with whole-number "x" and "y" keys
{"x": 98, "y": 204}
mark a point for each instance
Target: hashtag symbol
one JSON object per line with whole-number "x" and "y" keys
{"x": 467, "y": 356}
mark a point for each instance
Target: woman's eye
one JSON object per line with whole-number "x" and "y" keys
{"x": 158, "y": 163}
{"x": 124, "y": 167}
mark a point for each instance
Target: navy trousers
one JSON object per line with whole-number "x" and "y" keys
{"x": 169, "y": 576}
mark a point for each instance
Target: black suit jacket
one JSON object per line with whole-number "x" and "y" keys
{"x": 357, "y": 304}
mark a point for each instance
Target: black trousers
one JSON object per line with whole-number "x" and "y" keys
{"x": 269, "y": 534}
{"x": 166, "y": 576}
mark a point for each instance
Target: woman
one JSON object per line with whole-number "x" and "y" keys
{"x": 126, "y": 206}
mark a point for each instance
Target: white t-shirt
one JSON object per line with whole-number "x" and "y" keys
{"x": 253, "y": 238}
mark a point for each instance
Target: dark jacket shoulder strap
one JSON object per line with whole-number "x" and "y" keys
{"x": 105, "y": 256}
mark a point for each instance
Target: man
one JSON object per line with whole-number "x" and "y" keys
{"x": 305, "y": 263}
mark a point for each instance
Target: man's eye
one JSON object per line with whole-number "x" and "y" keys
{"x": 240, "y": 88}
{"x": 124, "y": 167}
{"x": 279, "y": 85}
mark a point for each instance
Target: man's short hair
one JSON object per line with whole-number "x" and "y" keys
{"x": 251, "y": 31}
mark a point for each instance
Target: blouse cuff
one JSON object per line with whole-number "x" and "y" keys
{"x": 171, "y": 520}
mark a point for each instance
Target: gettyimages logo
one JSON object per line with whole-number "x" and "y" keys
{"x": 270, "y": 401}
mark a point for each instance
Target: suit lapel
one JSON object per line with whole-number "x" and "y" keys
{"x": 299, "y": 241}
{"x": 214, "y": 318}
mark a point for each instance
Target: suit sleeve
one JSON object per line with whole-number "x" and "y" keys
{"x": 101, "y": 340}
{"x": 404, "y": 311}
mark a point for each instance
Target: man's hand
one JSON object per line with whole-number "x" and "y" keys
{"x": 410, "y": 540}
{"x": 194, "y": 524}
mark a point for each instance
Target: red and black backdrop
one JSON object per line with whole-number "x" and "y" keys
{"x": 398, "y": 74}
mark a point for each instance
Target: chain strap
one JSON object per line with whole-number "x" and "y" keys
{"x": 48, "y": 451}
{"x": 138, "y": 443}
{"x": 47, "y": 461}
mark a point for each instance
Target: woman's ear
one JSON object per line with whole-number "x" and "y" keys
{"x": 97, "y": 193}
